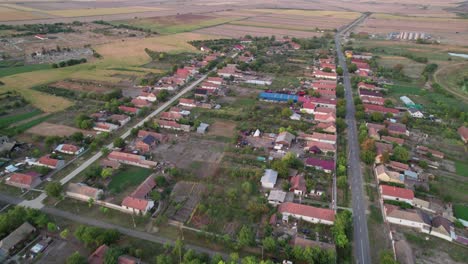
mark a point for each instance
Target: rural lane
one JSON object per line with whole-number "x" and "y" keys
{"x": 360, "y": 231}
{"x": 37, "y": 203}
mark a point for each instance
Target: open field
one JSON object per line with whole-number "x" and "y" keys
{"x": 447, "y": 30}
{"x": 9, "y": 120}
{"x": 83, "y": 86}
{"x": 461, "y": 211}
{"x": 20, "y": 69}
{"x": 178, "y": 23}
{"x": 411, "y": 68}
{"x": 222, "y": 128}
{"x": 101, "y": 11}
{"x": 451, "y": 77}
{"x": 127, "y": 177}
{"x": 461, "y": 168}
{"x": 47, "y": 129}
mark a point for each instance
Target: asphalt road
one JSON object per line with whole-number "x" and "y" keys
{"x": 98, "y": 223}
{"x": 361, "y": 234}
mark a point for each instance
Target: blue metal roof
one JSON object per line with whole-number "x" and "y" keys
{"x": 278, "y": 97}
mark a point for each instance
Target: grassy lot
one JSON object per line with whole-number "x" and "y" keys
{"x": 411, "y": 68}
{"x": 462, "y": 168}
{"x": 23, "y": 127}
{"x": 26, "y": 68}
{"x": 9, "y": 120}
{"x": 127, "y": 177}
{"x": 405, "y": 89}
{"x": 461, "y": 211}
{"x": 451, "y": 77}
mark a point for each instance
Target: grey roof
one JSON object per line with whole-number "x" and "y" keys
{"x": 20, "y": 233}
{"x": 277, "y": 195}
{"x": 270, "y": 176}
{"x": 202, "y": 128}
{"x": 149, "y": 139}
{"x": 411, "y": 174}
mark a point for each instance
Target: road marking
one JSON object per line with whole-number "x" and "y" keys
{"x": 362, "y": 252}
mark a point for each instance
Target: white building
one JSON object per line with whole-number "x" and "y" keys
{"x": 415, "y": 113}
{"x": 269, "y": 179}
{"x": 307, "y": 213}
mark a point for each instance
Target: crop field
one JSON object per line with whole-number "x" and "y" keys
{"x": 411, "y": 68}
{"x": 101, "y": 11}
{"x": 447, "y": 30}
{"x": 20, "y": 69}
{"x": 9, "y": 120}
{"x": 236, "y": 31}
{"x": 10, "y": 14}
{"x": 311, "y": 13}
{"x": 127, "y": 177}
{"x": 178, "y": 23}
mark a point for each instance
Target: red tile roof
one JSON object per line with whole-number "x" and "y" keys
{"x": 298, "y": 183}
{"x": 144, "y": 188}
{"x": 366, "y": 86}
{"x": 308, "y": 105}
{"x": 306, "y": 210}
{"x": 186, "y": 101}
{"x": 324, "y": 164}
{"x": 128, "y": 109}
{"x": 23, "y": 178}
{"x": 69, "y": 148}
{"x": 463, "y": 132}
{"x": 116, "y": 155}
{"x": 47, "y": 160}
{"x": 380, "y": 109}
{"x": 140, "y": 102}
{"x": 397, "y": 192}
{"x": 97, "y": 257}
{"x": 135, "y": 203}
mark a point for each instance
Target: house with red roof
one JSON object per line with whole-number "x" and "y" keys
{"x": 131, "y": 159}
{"x": 308, "y": 107}
{"x": 321, "y": 164}
{"x": 129, "y": 110}
{"x": 171, "y": 116}
{"x": 210, "y": 86}
{"x": 326, "y": 127}
{"x": 367, "y": 86}
{"x": 173, "y": 125}
{"x": 298, "y": 185}
{"x": 140, "y": 103}
{"x": 69, "y": 149}
{"x": 324, "y": 85}
{"x": 325, "y": 118}
{"x": 122, "y": 120}
{"x": 328, "y": 94}
{"x": 370, "y": 93}
{"x": 28, "y": 180}
{"x": 330, "y": 66}
{"x": 146, "y": 143}
{"x": 105, "y": 127}
{"x": 320, "y": 102}
{"x": 320, "y": 147}
{"x": 396, "y": 194}
{"x": 138, "y": 201}
{"x": 463, "y": 132}
{"x": 83, "y": 192}
{"x": 382, "y": 148}
{"x": 160, "y": 137}
{"x": 389, "y": 139}
{"x": 325, "y": 75}
{"x": 423, "y": 150}
{"x": 398, "y": 166}
{"x": 47, "y": 161}
{"x": 97, "y": 257}
{"x": 321, "y": 137}
{"x": 372, "y": 100}
{"x": 187, "y": 102}
{"x": 370, "y": 108}
{"x": 294, "y": 45}
{"x": 215, "y": 80}
{"x": 307, "y": 213}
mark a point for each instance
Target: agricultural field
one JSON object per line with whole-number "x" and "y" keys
{"x": 44, "y": 129}
{"x": 10, "y": 14}
{"x": 101, "y": 11}
{"x": 461, "y": 211}
{"x": 236, "y": 31}
{"x": 454, "y": 78}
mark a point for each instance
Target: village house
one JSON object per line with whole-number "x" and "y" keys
{"x": 408, "y": 217}
{"x": 140, "y": 103}
{"x": 324, "y": 85}
{"x": 320, "y": 147}
{"x": 442, "y": 227}
{"x": 276, "y": 197}
{"x": 268, "y": 179}
{"x": 381, "y": 149}
{"x": 8, "y": 245}
{"x": 160, "y": 137}
{"x": 285, "y": 138}
{"x": 173, "y": 125}
{"x": 370, "y": 108}
{"x": 138, "y": 201}
{"x": 105, "y": 127}
{"x": 372, "y": 100}
{"x": 47, "y": 161}
{"x": 307, "y": 213}
{"x": 330, "y": 66}
{"x": 415, "y": 113}
{"x": 69, "y": 149}
{"x": 106, "y": 163}
{"x": 83, "y": 192}
{"x": 325, "y": 118}
{"x": 397, "y": 194}
{"x": 320, "y": 164}
{"x": 146, "y": 143}
{"x": 150, "y": 97}
{"x": 320, "y": 102}
{"x": 131, "y": 159}
{"x": 425, "y": 151}
{"x": 170, "y": 116}
{"x": 463, "y": 132}
{"x": 367, "y": 86}
{"x": 370, "y": 93}
{"x": 298, "y": 185}
{"x": 398, "y": 166}
{"x": 97, "y": 257}
{"x": 122, "y": 120}
{"x": 230, "y": 70}
{"x": 373, "y": 130}
{"x": 202, "y": 93}
{"x": 129, "y": 110}
{"x": 389, "y": 139}
{"x": 215, "y": 80}
{"x": 210, "y": 86}
{"x": 397, "y": 129}
{"x": 320, "y": 137}
{"x": 308, "y": 108}
{"x": 327, "y": 94}
{"x": 384, "y": 175}
{"x": 326, "y": 127}
{"x": 325, "y": 75}
{"x": 187, "y": 102}
{"x": 27, "y": 180}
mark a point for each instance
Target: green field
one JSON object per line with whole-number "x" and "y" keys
{"x": 127, "y": 177}
{"x": 400, "y": 89}
{"x": 23, "y": 127}
{"x": 21, "y": 69}
{"x": 9, "y": 120}
{"x": 462, "y": 168}
{"x": 461, "y": 211}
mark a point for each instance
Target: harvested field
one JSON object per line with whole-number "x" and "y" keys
{"x": 222, "y": 128}
{"x": 312, "y": 13}
{"x": 447, "y": 30}
{"x": 235, "y": 31}
{"x": 84, "y": 86}
{"x": 9, "y": 14}
{"x": 186, "y": 196}
{"x": 48, "y": 129}
{"x": 101, "y": 11}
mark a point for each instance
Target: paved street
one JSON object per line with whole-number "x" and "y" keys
{"x": 37, "y": 203}
{"x": 98, "y": 223}
{"x": 361, "y": 236}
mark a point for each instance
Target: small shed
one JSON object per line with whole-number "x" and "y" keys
{"x": 201, "y": 129}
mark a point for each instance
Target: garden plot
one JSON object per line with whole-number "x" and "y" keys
{"x": 184, "y": 199}
{"x": 48, "y": 129}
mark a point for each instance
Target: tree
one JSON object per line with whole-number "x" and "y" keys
{"x": 377, "y": 117}
{"x": 340, "y": 124}
{"x": 247, "y": 187}
{"x": 90, "y": 202}
{"x": 286, "y": 112}
{"x": 155, "y": 195}
{"x": 51, "y": 227}
{"x": 76, "y": 258}
{"x": 386, "y": 257}
{"x": 352, "y": 68}
{"x": 269, "y": 244}
{"x": 54, "y": 189}
{"x": 388, "y": 103}
{"x": 162, "y": 96}
{"x": 112, "y": 255}
{"x": 339, "y": 70}
{"x": 106, "y": 173}
{"x": 246, "y": 236}
{"x": 119, "y": 142}
{"x": 77, "y": 137}
{"x": 64, "y": 234}
{"x": 401, "y": 154}
{"x": 341, "y": 229}
{"x": 342, "y": 182}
